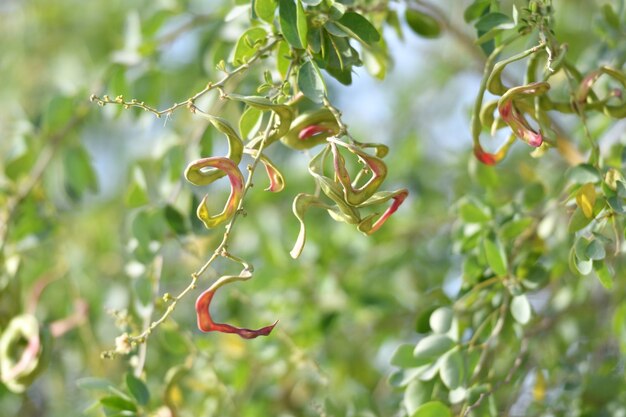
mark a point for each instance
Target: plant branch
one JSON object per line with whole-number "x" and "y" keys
{"x": 190, "y": 102}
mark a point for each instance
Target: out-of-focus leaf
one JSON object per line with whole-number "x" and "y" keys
{"x": 118, "y": 403}
{"x": 432, "y": 409}
{"x": 137, "y": 389}
{"x": 604, "y": 274}
{"x": 493, "y": 20}
{"x": 521, "y": 309}
{"x": 472, "y": 213}
{"x": 441, "y": 320}
{"x": 58, "y": 114}
{"x": 496, "y": 256}
{"x": 595, "y": 250}
{"x": 451, "y": 369}
{"x": 94, "y": 384}
{"x": 79, "y": 173}
{"x": 583, "y": 173}
{"x": 475, "y": 10}
{"x": 422, "y": 23}
{"x": 417, "y": 393}
{"x": 137, "y": 193}
{"x": 578, "y": 221}
{"x": 432, "y": 347}
{"x": 586, "y": 199}
{"x": 403, "y": 356}
{"x": 175, "y": 219}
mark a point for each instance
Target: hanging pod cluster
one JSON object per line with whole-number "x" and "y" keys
{"x": 346, "y": 198}
{"x": 531, "y": 100}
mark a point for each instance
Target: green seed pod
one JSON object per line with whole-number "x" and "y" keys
{"x": 24, "y": 351}
{"x": 310, "y": 129}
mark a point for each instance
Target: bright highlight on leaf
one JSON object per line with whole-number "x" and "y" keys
{"x": 586, "y": 199}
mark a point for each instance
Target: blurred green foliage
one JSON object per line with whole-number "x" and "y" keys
{"x": 478, "y": 297}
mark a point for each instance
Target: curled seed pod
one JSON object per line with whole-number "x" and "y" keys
{"x": 493, "y": 158}
{"x": 227, "y": 167}
{"x": 24, "y": 350}
{"x": 368, "y": 225}
{"x": 355, "y": 196}
{"x": 584, "y": 93}
{"x": 514, "y": 118}
{"x": 199, "y": 175}
{"x": 203, "y": 304}
{"x": 277, "y": 181}
{"x": 310, "y": 129}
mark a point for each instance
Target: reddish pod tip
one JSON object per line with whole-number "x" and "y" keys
{"x": 485, "y": 157}
{"x": 311, "y": 131}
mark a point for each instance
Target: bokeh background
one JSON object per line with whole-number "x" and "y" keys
{"x": 98, "y": 223}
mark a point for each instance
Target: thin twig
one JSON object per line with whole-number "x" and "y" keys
{"x": 189, "y": 103}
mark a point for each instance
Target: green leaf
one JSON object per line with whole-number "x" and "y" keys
{"x": 293, "y": 22}
{"x": 310, "y": 82}
{"x": 137, "y": 389}
{"x": 451, "y": 369}
{"x": 578, "y": 221}
{"x": 265, "y": 9}
{"x": 476, "y": 10}
{"x": 422, "y": 23}
{"x": 58, "y": 114}
{"x": 283, "y": 60}
{"x": 359, "y": 28}
{"x": 432, "y": 409}
{"x": 248, "y": 43}
{"x": 521, "y": 309}
{"x": 604, "y": 274}
{"x": 94, "y": 384}
{"x": 472, "y": 213}
{"x": 514, "y": 228}
{"x": 79, "y": 173}
{"x": 403, "y": 356}
{"x": 583, "y": 173}
{"x": 496, "y": 256}
{"x": 584, "y": 266}
{"x": 586, "y": 199}
{"x": 432, "y": 347}
{"x": 137, "y": 194}
{"x": 611, "y": 16}
{"x": 441, "y": 320}
{"x": 175, "y": 220}
{"x": 417, "y": 393}
{"x": 595, "y": 250}
{"x": 249, "y": 122}
{"x": 173, "y": 340}
{"x": 493, "y": 20}
{"x": 118, "y": 403}
{"x": 301, "y": 24}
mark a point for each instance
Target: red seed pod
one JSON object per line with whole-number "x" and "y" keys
{"x": 312, "y": 131}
